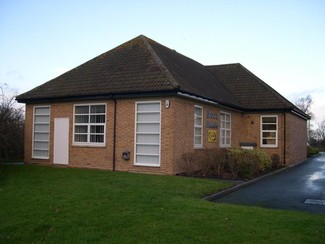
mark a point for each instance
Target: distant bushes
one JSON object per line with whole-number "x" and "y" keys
{"x": 311, "y": 151}
{"x": 227, "y": 163}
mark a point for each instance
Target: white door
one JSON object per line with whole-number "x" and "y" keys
{"x": 61, "y": 141}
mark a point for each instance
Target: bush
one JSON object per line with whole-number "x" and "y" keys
{"x": 204, "y": 162}
{"x": 311, "y": 151}
{"x": 235, "y": 161}
{"x": 246, "y": 164}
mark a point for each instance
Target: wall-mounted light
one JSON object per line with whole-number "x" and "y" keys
{"x": 167, "y": 103}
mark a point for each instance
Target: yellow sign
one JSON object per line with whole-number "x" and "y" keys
{"x": 212, "y": 136}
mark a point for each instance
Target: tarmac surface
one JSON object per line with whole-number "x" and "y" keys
{"x": 301, "y": 188}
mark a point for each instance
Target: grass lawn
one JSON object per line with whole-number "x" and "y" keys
{"x": 55, "y": 205}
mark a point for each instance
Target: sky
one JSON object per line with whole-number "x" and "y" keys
{"x": 280, "y": 41}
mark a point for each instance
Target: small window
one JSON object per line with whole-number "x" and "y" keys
{"x": 147, "y": 134}
{"x": 269, "y": 131}
{"x": 225, "y": 129}
{"x": 41, "y": 132}
{"x": 89, "y": 124}
{"x": 198, "y": 126}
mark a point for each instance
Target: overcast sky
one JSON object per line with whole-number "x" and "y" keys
{"x": 282, "y": 42}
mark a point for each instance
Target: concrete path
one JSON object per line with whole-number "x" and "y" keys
{"x": 299, "y": 188}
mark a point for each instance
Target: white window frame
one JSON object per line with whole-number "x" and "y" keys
{"x": 276, "y": 131}
{"x": 225, "y": 129}
{"x": 200, "y": 145}
{"x": 88, "y": 143}
{"x": 147, "y": 133}
{"x": 49, "y": 131}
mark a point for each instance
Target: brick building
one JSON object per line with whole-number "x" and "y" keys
{"x": 141, "y": 105}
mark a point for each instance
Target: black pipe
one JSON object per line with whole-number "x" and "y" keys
{"x": 284, "y": 138}
{"x": 114, "y": 134}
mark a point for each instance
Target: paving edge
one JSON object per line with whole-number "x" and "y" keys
{"x": 227, "y": 191}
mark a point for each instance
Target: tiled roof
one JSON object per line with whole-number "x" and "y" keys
{"x": 140, "y": 65}
{"x": 143, "y": 66}
{"x": 250, "y": 91}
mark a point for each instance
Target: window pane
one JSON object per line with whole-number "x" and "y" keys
{"x": 269, "y": 127}
{"x": 228, "y": 125}
{"x": 198, "y": 111}
{"x": 42, "y": 118}
{"x": 269, "y": 134}
{"x": 269, "y": 119}
{"x": 81, "y": 129}
{"x": 81, "y": 119}
{"x": 41, "y": 153}
{"x": 97, "y": 119}
{"x": 198, "y": 131}
{"x": 96, "y": 138}
{"x": 82, "y": 110}
{"x": 42, "y": 111}
{"x": 197, "y": 140}
{"x": 147, "y": 159}
{"x": 97, "y": 129}
{"x": 41, "y": 127}
{"x": 80, "y": 138}
{"x": 41, "y": 145}
{"x": 269, "y": 141}
{"x": 96, "y": 109}
{"x": 148, "y": 149}
{"x": 198, "y": 120}
{"x": 148, "y": 107}
{"x": 41, "y": 136}
{"x": 152, "y": 127}
{"x": 227, "y": 141}
{"x": 148, "y": 138}
{"x": 151, "y": 117}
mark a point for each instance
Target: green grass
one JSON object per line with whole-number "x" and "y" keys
{"x": 41, "y": 204}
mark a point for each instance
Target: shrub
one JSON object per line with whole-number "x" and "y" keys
{"x": 312, "y": 151}
{"x": 204, "y": 162}
{"x": 247, "y": 163}
{"x": 235, "y": 161}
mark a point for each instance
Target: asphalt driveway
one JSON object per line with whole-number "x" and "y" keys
{"x": 299, "y": 188}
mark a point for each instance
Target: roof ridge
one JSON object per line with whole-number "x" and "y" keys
{"x": 160, "y": 64}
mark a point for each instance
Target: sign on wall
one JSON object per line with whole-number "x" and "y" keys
{"x": 212, "y": 120}
{"x": 212, "y": 136}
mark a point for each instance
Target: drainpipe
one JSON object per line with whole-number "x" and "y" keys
{"x": 114, "y": 134}
{"x": 284, "y": 137}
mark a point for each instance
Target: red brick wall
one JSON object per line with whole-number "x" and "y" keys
{"x": 177, "y": 134}
{"x": 296, "y": 148}
{"x": 251, "y": 132}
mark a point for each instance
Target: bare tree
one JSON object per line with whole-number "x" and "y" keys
{"x": 11, "y": 126}
{"x": 304, "y": 104}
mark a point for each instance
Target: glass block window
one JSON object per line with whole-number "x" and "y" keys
{"x": 41, "y": 132}
{"x": 269, "y": 131}
{"x": 198, "y": 126}
{"x": 89, "y": 124}
{"x": 147, "y": 134}
{"x": 225, "y": 129}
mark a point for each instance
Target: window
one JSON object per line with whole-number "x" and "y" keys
{"x": 41, "y": 132}
{"x": 147, "y": 134}
{"x": 269, "y": 131}
{"x": 198, "y": 126}
{"x": 225, "y": 129}
{"x": 89, "y": 124}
